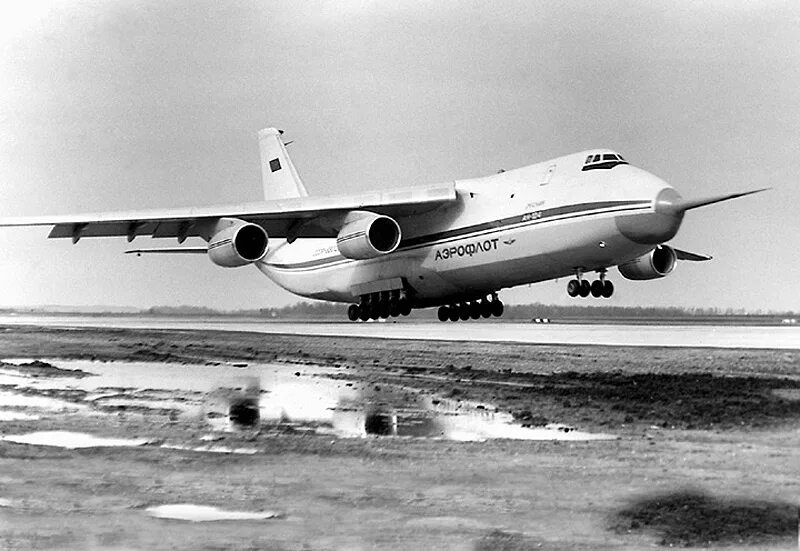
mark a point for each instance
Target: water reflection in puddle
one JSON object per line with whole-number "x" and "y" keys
{"x": 71, "y": 440}
{"x": 204, "y": 513}
{"x": 261, "y": 397}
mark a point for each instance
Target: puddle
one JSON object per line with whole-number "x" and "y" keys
{"x": 265, "y": 396}
{"x": 204, "y": 513}
{"x": 12, "y": 399}
{"x": 17, "y": 416}
{"x": 71, "y": 440}
{"x": 211, "y": 449}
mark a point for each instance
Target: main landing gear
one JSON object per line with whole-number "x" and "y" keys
{"x": 598, "y": 288}
{"x": 475, "y": 309}
{"x": 380, "y": 305}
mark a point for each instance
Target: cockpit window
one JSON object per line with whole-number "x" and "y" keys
{"x": 603, "y": 161}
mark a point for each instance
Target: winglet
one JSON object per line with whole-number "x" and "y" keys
{"x": 278, "y": 174}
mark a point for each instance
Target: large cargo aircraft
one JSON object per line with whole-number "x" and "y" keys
{"x": 451, "y": 246}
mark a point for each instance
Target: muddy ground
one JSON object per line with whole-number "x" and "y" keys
{"x": 707, "y": 455}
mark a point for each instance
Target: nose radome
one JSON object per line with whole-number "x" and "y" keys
{"x": 654, "y": 228}
{"x": 667, "y": 201}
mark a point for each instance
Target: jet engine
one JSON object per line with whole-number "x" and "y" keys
{"x": 657, "y": 263}
{"x": 236, "y": 243}
{"x": 368, "y": 235}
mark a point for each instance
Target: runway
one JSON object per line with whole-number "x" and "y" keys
{"x": 713, "y": 336}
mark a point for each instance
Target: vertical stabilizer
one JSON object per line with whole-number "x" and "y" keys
{"x": 278, "y": 174}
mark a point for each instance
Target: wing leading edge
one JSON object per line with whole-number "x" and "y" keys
{"x": 280, "y": 218}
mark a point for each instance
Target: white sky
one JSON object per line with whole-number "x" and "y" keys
{"x": 117, "y": 105}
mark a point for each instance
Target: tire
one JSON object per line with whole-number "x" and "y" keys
{"x": 363, "y": 313}
{"x": 597, "y": 288}
{"x": 453, "y": 310}
{"x": 585, "y": 289}
{"x": 394, "y": 309}
{"x": 463, "y": 311}
{"x": 497, "y": 308}
{"x": 443, "y": 313}
{"x": 474, "y": 310}
{"x": 608, "y": 289}
{"x": 405, "y": 307}
{"x": 353, "y": 312}
{"x": 573, "y": 288}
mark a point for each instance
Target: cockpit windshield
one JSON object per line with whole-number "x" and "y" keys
{"x": 603, "y": 161}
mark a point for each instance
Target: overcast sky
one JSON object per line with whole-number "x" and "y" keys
{"x": 115, "y": 105}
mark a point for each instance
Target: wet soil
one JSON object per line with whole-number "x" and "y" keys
{"x": 708, "y": 455}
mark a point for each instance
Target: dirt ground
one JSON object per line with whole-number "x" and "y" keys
{"x": 707, "y": 455}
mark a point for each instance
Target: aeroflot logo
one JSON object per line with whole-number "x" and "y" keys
{"x": 467, "y": 250}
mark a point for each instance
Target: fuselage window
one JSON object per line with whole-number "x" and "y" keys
{"x": 596, "y": 158}
{"x": 609, "y": 157}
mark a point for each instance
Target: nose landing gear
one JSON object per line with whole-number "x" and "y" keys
{"x": 599, "y": 288}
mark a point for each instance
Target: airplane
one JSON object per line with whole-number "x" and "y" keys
{"x": 453, "y": 245}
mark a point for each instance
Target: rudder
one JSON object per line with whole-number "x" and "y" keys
{"x": 278, "y": 174}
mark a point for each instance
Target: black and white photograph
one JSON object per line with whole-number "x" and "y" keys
{"x": 369, "y": 275}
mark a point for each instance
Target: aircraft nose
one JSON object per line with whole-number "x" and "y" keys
{"x": 654, "y": 228}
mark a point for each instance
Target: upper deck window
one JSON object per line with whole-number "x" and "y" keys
{"x": 603, "y": 161}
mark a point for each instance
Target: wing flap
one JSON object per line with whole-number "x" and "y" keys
{"x": 169, "y": 250}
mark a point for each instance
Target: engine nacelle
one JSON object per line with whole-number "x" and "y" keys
{"x": 657, "y": 263}
{"x": 368, "y": 235}
{"x": 237, "y": 243}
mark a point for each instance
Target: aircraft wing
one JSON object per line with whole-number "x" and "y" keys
{"x": 280, "y": 218}
{"x": 694, "y": 257}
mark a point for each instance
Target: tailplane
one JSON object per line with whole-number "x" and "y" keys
{"x": 280, "y": 178}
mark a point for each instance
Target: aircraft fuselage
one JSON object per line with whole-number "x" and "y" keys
{"x": 532, "y": 224}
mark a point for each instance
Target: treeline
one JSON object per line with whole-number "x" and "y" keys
{"x": 326, "y": 310}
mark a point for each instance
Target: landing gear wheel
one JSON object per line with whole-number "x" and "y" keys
{"x": 597, "y": 288}
{"x": 363, "y": 312}
{"x": 463, "y": 311}
{"x": 353, "y": 312}
{"x": 497, "y": 308}
{"x": 405, "y": 307}
{"x": 608, "y": 289}
{"x": 374, "y": 312}
{"x": 394, "y": 309}
{"x": 453, "y": 312}
{"x": 443, "y": 313}
{"x": 573, "y": 288}
{"x": 585, "y": 289}
{"x": 486, "y": 309}
{"x": 474, "y": 310}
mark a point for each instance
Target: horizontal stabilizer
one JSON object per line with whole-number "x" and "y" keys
{"x": 694, "y": 257}
{"x": 169, "y": 250}
{"x": 688, "y": 204}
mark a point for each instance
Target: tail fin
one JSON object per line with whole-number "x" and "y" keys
{"x": 278, "y": 174}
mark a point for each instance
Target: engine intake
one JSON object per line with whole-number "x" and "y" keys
{"x": 368, "y": 235}
{"x": 237, "y": 243}
{"x": 657, "y": 263}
